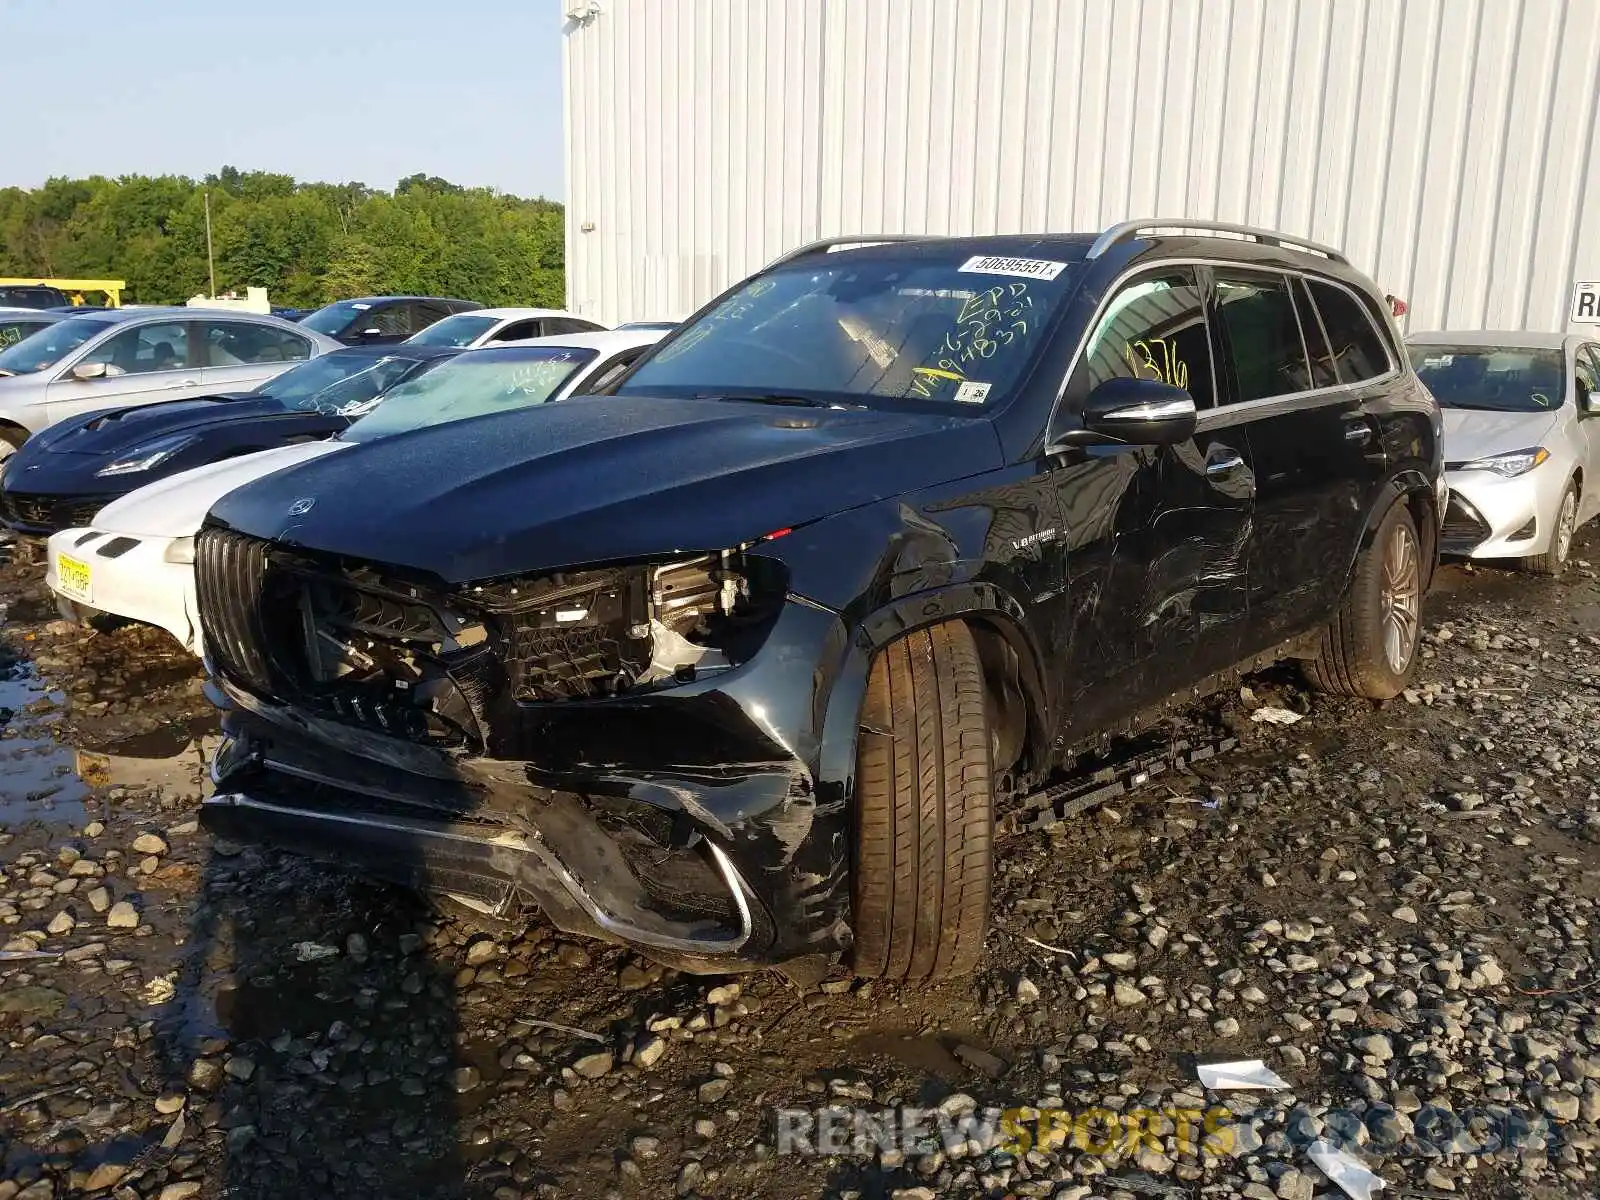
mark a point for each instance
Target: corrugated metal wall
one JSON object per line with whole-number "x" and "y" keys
{"x": 1447, "y": 145}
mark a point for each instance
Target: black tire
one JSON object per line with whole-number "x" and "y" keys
{"x": 1357, "y": 652}
{"x": 924, "y": 809}
{"x": 1554, "y": 560}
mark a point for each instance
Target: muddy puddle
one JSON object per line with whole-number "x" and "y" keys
{"x": 51, "y": 775}
{"x": 40, "y": 781}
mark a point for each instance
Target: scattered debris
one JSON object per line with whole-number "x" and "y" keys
{"x": 1240, "y": 1075}
{"x": 551, "y": 1025}
{"x": 1345, "y": 1170}
{"x": 1271, "y": 714}
{"x": 308, "y": 952}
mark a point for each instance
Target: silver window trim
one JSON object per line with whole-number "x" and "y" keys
{"x": 118, "y": 330}
{"x": 1338, "y": 393}
{"x": 211, "y": 322}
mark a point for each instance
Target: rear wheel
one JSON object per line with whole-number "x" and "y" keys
{"x": 1554, "y": 560}
{"x": 11, "y": 439}
{"x": 1370, "y": 646}
{"x": 924, "y": 809}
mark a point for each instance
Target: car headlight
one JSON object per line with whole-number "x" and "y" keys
{"x": 151, "y": 454}
{"x": 180, "y": 550}
{"x": 1508, "y": 465}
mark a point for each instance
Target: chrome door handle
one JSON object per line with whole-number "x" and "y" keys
{"x": 1223, "y": 466}
{"x": 182, "y": 383}
{"x": 1357, "y": 432}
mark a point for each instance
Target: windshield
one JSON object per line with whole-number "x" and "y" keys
{"x": 50, "y": 345}
{"x": 332, "y": 319}
{"x": 1497, "y": 378}
{"x": 479, "y": 382}
{"x": 14, "y": 329}
{"x": 335, "y": 383}
{"x": 461, "y": 331}
{"x": 957, "y": 333}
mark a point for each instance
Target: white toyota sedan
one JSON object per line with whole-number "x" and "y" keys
{"x": 1521, "y": 440}
{"x": 137, "y": 560}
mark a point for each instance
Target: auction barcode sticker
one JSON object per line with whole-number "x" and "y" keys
{"x": 1030, "y": 268}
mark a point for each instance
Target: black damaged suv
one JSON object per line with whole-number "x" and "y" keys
{"x": 737, "y": 662}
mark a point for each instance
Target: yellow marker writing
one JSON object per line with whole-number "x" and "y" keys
{"x": 937, "y": 373}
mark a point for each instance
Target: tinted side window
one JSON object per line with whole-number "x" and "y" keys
{"x": 1264, "y": 345}
{"x": 427, "y": 312}
{"x": 144, "y": 349}
{"x": 1588, "y": 373}
{"x": 238, "y": 343}
{"x": 518, "y": 330}
{"x": 1324, "y": 373}
{"x": 1357, "y": 348}
{"x": 569, "y": 325}
{"x": 1154, "y": 328}
{"x": 609, "y": 373}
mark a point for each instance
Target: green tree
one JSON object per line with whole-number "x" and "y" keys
{"x": 306, "y": 243}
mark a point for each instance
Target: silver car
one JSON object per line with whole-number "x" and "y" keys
{"x": 115, "y": 357}
{"x": 1521, "y": 440}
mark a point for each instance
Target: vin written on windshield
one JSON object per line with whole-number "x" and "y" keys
{"x": 956, "y": 334}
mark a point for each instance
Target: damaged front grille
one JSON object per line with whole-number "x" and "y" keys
{"x": 572, "y": 635}
{"x": 357, "y": 644}
{"x": 52, "y": 513}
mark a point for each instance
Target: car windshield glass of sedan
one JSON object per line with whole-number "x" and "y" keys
{"x": 477, "y": 383}
{"x": 14, "y": 329}
{"x": 332, "y": 319}
{"x": 335, "y": 383}
{"x": 461, "y": 330}
{"x": 957, "y": 333}
{"x": 1497, "y": 378}
{"x": 50, "y": 345}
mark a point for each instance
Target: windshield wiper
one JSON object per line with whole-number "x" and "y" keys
{"x": 766, "y": 398}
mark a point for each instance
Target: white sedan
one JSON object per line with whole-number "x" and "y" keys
{"x": 137, "y": 560}
{"x": 496, "y": 326}
{"x": 1521, "y": 440}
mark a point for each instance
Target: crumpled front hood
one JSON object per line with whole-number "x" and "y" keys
{"x": 1472, "y": 433}
{"x": 603, "y": 478}
{"x": 176, "y": 506}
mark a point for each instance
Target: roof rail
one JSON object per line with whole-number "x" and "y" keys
{"x": 1267, "y": 237}
{"x": 833, "y": 243}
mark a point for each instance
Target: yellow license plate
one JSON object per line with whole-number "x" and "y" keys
{"x": 72, "y": 577}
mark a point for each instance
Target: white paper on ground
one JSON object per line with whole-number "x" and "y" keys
{"x": 1248, "y": 1074}
{"x": 1271, "y": 714}
{"x": 1344, "y": 1169}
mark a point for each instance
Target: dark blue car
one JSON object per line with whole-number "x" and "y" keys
{"x": 64, "y": 475}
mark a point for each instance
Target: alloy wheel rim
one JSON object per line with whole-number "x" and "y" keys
{"x": 1566, "y": 523}
{"x": 1402, "y": 598}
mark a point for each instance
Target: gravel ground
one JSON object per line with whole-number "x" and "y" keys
{"x": 1393, "y": 908}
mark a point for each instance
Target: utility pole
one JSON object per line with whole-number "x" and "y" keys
{"x": 210, "y": 262}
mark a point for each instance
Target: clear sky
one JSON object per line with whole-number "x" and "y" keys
{"x": 335, "y": 90}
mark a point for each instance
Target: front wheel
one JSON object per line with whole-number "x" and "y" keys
{"x": 1370, "y": 646}
{"x": 924, "y": 809}
{"x": 1554, "y": 560}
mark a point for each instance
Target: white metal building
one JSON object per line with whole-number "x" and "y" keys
{"x": 1449, "y": 146}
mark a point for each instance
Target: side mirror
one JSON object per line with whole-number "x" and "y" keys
{"x": 1134, "y": 412}
{"x": 89, "y": 370}
{"x": 1588, "y": 401}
